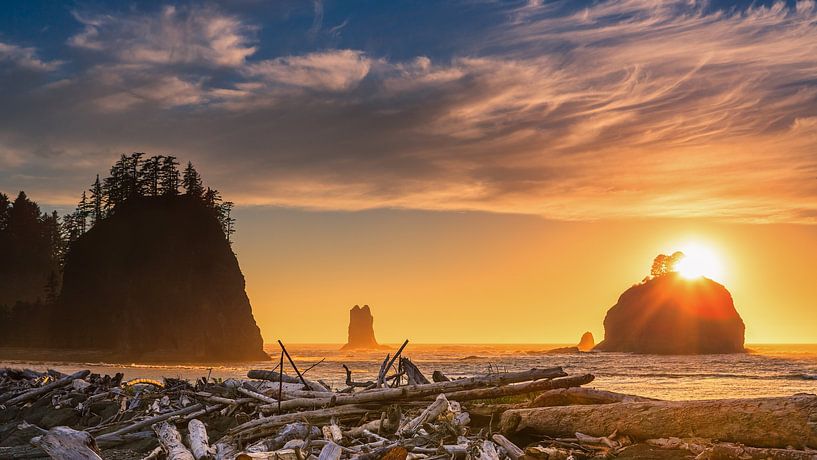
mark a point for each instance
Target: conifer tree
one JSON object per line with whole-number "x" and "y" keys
{"x": 150, "y": 175}
{"x": 227, "y": 221}
{"x": 97, "y": 199}
{"x": 191, "y": 181}
{"x": 169, "y": 178}
{"x": 5, "y": 211}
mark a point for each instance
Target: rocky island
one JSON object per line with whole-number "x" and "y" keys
{"x": 361, "y": 330}
{"x": 670, "y": 314}
{"x": 141, "y": 272}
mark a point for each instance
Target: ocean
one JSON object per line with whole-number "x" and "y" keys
{"x": 769, "y": 370}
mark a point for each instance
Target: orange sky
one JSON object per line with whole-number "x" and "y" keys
{"x": 491, "y": 278}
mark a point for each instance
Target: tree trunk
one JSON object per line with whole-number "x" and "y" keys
{"x": 330, "y": 451}
{"x": 573, "y": 396}
{"x": 63, "y": 443}
{"x": 199, "y": 443}
{"x": 413, "y": 392}
{"x": 519, "y": 389}
{"x": 761, "y": 422}
{"x": 171, "y": 442}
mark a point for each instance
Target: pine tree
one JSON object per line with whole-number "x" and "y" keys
{"x": 82, "y": 212}
{"x": 212, "y": 199}
{"x": 169, "y": 178}
{"x": 227, "y": 221}
{"x": 150, "y": 174}
{"x": 97, "y": 199}
{"x": 191, "y": 181}
{"x": 5, "y": 211}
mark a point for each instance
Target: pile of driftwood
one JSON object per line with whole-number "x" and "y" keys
{"x": 399, "y": 414}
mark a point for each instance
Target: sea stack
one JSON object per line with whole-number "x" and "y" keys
{"x": 669, "y": 314}
{"x": 361, "y": 329}
{"x": 587, "y": 342}
{"x": 157, "y": 281}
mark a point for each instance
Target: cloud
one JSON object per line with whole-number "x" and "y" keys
{"x": 336, "y": 70}
{"x": 613, "y": 110}
{"x": 26, "y": 58}
{"x": 192, "y": 36}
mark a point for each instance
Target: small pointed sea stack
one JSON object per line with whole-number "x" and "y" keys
{"x": 587, "y": 342}
{"x": 361, "y": 329}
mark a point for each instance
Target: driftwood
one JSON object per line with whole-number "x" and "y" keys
{"x": 572, "y": 396}
{"x": 428, "y": 415}
{"x": 520, "y": 389}
{"x": 438, "y": 376}
{"x": 37, "y": 392}
{"x": 63, "y": 443}
{"x": 198, "y": 441}
{"x": 761, "y": 422}
{"x": 171, "y": 442}
{"x": 413, "y": 374}
{"x": 258, "y": 428}
{"x": 513, "y": 451}
{"x": 330, "y": 451}
{"x": 274, "y": 376}
{"x": 414, "y": 392}
{"x": 148, "y": 422}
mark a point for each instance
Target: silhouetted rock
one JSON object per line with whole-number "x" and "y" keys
{"x": 672, "y": 315}
{"x": 157, "y": 280}
{"x": 361, "y": 329}
{"x": 586, "y": 343}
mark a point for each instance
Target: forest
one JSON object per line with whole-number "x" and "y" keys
{"x": 34, "y": 244}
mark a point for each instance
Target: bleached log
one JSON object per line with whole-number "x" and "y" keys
{"x": 729, "y": 451}
{"x": 513, "y": 451}
{"x": 171, "y": 442}
{"x": 273, "y": 376}
{"x": 414, "y": 392}
{"x": 332, "y": 432}
{"x": 761, "y": 422}
{"x": 572, "y": 396}
{"x": 520, "y": 388}
{"x": 330, "y": 451}
{"x": 198, "y": 441}
{"x": 430, "y": 414}
{"x": 413, "y": 373}
{"x": 63, "y": 443}
{"x": 148, "y": 422}
{"x": 37, "y": 392}
{"x": 155, "y": 454}
{"x": 488, "y": 451}
{"x": 255, "y": 395}
{"x": 283, "y": 454}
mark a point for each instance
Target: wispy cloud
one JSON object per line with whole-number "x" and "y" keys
{"x": 614, "y": 110}
{"x": 26, "y": 58}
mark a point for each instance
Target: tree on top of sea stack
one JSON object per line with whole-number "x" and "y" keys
{"x": 150, "y": 274}
{"x": 670, "y": 314}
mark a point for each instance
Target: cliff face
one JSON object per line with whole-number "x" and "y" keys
{"x": 361, "y": 329}
{"x": 157, "y": 280}
{"x": 672, "y": 315}
{"x": 586, "y": 343}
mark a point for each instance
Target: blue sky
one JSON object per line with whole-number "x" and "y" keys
{"x": 567, "y": 110}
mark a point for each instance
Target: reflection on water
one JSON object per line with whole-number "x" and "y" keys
{"x": 771, "y": 370}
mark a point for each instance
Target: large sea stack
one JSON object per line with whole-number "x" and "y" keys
{"x": 361, "y": 329}
{"x": 157, "y": 280}
{"x": 669, "y": 314}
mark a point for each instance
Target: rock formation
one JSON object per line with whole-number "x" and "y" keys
{"x": 361, "y": 329}
{"x": 157, "y": 280}
{"x": 587, "y": 342}
{"x": 672, "y": 315}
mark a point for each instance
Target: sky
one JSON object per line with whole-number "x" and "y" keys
{"x": 476, "y": 171}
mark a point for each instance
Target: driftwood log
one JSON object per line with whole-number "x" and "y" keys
{"x": 171, "y": 442}
{"x": 520, "y": 388}
{"x": 37, "y": 392}
{"x": 63, "y": 443}
{"x": 414, "y": 392}
{"x": 198, "y": 441}
{"x": 574, "y": 395}
{"x": 276, "y": 377}
{"x": 760, "y": 422}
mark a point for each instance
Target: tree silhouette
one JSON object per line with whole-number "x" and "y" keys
{"x": 97, "y": 199}
{"x": 169, "y": 176}
{"x": 191, "y": 181}
{"x": 663, "y": 264}
{"x": 226, "y": 219}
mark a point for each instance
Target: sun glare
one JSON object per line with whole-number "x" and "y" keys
{"x": 699, "y": 261}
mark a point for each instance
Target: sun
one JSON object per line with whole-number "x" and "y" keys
{"x": 699, "y": 261}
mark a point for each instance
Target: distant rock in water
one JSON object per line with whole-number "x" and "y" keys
{"x": 672, "y": 315}
{"x": 157, "y": 280}
{"x": 587, "y": 342}
{"x": 361, "y": 329}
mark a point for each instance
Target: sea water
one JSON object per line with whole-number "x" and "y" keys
{"x": 768, "y": 370}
